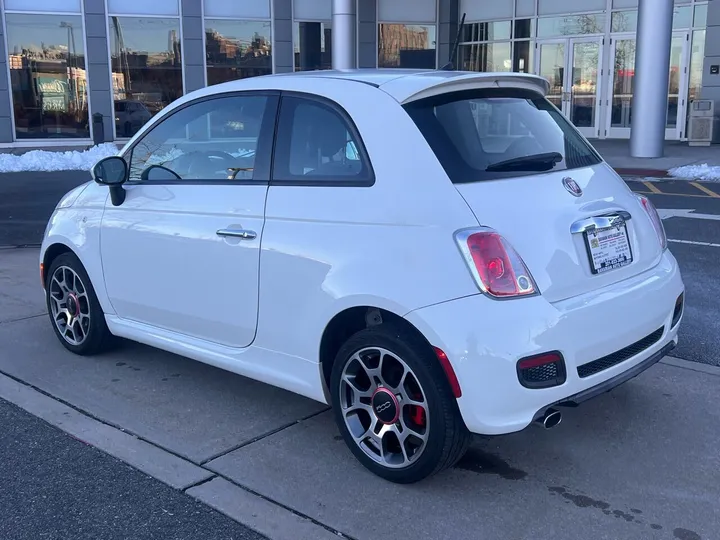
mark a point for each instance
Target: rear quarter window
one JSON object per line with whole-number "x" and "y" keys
{"x": 498, "y": 133}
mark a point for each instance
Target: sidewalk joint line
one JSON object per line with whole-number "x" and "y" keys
{"x": 199, "y": 482}
{"x": 260, "y": 437}
{"x": 24, "y": 318}
{"x": 185, "y": 458}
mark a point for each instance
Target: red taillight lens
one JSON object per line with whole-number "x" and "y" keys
{"x": 498, "y": 269}
{"x": 649, "y": 207}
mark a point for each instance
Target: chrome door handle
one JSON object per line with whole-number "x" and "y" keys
{"x": 600, "y": 222}
{"x": 238, "y": 233}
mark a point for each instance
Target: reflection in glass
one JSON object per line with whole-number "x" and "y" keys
{"x": 487, "y": 31}
{"x": 524, "y": 28}
{"x": 486, "y": 57}
{"x": 522, "y": 57}
{"x": 696, "y": 64}
{"x": 48, "y": 80}
{"x": 623, "y": 81}
{"x": 146, "y": 69}
{"x": 700, "y": 17}
{"x": 682, "y": 17}
{"x": 237, "y": 49}
{"x": 586, "y": 58}
{"x": 312, "y": 42}
{"x": 570, "y": 25}
{"x": 626, "y": 21}
{"x": 552, "y": 67}
{"x": 676, "y": 50}
{"x": 406, "y": 46}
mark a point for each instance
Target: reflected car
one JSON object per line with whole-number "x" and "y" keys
{"x": 435, "y": 254}
{"x": 129, "y": 117}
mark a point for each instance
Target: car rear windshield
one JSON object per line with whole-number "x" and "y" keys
{"x": 490, "y": 134}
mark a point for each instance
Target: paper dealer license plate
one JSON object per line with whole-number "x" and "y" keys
{"x": 608, "y": 248}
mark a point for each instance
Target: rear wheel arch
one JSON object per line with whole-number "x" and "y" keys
{"x": 349, "y": 322}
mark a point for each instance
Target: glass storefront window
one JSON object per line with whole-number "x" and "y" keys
{"x": 623, "y": 21}
{"x": 682, "y": 17}
{"x": 623, "y": 83}
{"x": 237, "y": 49}
{"x": 312, "y": 41}
{"x": 571, "y": 25}
{"x": 146, "y": 69}
{"x": 522, "y": 57}
{"x": 700, "y": 16}
{"x": 486, "y": 31}
{"x": 406, "y": 46}
{"x": 486, "y": 57}
{"x": 524, "y": 28}
{"x": 697, "y": 57}
{"x": 48, "y": 79}
{"x": 626, "y": 21}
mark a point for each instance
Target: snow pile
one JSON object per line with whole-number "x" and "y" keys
{"x": 703, "y": 172}
{"x": 43, "y": 160}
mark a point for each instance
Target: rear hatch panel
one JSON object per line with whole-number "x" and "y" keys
{"x": 535, "y": 214}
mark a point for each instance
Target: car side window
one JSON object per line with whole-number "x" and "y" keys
{"x": 211, "y": 140}
{"x": 317, "y": 143}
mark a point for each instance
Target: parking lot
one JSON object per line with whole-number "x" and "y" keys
{"x": 639, "y": 462}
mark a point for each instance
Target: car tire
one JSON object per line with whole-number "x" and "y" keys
{"x": 71, "y": 298}
{"x": 435, "y": 438}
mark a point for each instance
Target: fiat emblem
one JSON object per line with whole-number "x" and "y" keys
{"x": 572, "y": 186}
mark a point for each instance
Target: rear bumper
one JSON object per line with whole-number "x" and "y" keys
{"x": 606, "y": 386}
{"x": 484, "y": 339}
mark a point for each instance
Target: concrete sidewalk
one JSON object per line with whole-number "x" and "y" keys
{"x": 677, "y": 154}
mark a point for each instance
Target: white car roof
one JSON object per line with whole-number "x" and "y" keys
{"x": 402, "y": 84}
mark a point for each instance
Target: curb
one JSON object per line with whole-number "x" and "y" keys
{"x": 652, "y": 173}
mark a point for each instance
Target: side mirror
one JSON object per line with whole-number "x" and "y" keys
{"x": 158, "y": 173}
{"x": 112, "y": 172}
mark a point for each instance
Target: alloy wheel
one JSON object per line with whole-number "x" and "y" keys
{"x": 69, "y": 305}
{"x": 384, "y": 407}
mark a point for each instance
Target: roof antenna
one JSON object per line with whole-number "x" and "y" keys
{"x": 453, "y": 54}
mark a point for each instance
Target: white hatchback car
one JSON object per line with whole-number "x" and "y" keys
{"x": 434, "y": 254}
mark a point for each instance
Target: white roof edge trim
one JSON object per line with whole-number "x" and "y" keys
{"x": 536, "y": 84}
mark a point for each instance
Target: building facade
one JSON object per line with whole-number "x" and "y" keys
{"x": 66, "y": 60}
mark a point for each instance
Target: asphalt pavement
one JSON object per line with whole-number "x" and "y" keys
{"x": 57, "y": 487}
{"x": 28, "y": 198}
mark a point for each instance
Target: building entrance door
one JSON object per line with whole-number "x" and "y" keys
{"x": 572, "y": 66}
{"x": 621, "y": 86}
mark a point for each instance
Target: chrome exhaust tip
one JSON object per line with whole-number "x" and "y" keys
{"x": 550, "y": 419}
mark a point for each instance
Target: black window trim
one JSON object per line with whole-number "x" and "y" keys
{"x": 360, "y": 146}
{"x": 266, "y": 140}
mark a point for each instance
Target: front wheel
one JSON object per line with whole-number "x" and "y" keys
{"x": 75, "y": 313}
{"x": 393, "y": 405}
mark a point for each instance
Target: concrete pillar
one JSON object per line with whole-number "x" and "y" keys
{"x": 448, "y": 22}
{"x": 193, "y": 45}
{"x": 367, "y": 33}
{"x": 344, "y": 39}
{"x": 652, "y": 65}
{"x": 98, "y": 69}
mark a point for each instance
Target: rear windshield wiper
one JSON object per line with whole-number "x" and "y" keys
{"x": 534, "y": 162}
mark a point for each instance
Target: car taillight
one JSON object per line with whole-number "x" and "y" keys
{"x": 655, "y": 218}
{"x": 497, "y": 268}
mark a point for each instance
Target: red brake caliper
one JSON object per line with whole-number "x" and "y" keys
{"x": 417, "y": 413}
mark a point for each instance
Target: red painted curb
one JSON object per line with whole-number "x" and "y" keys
{"x": 652, "y": 173}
